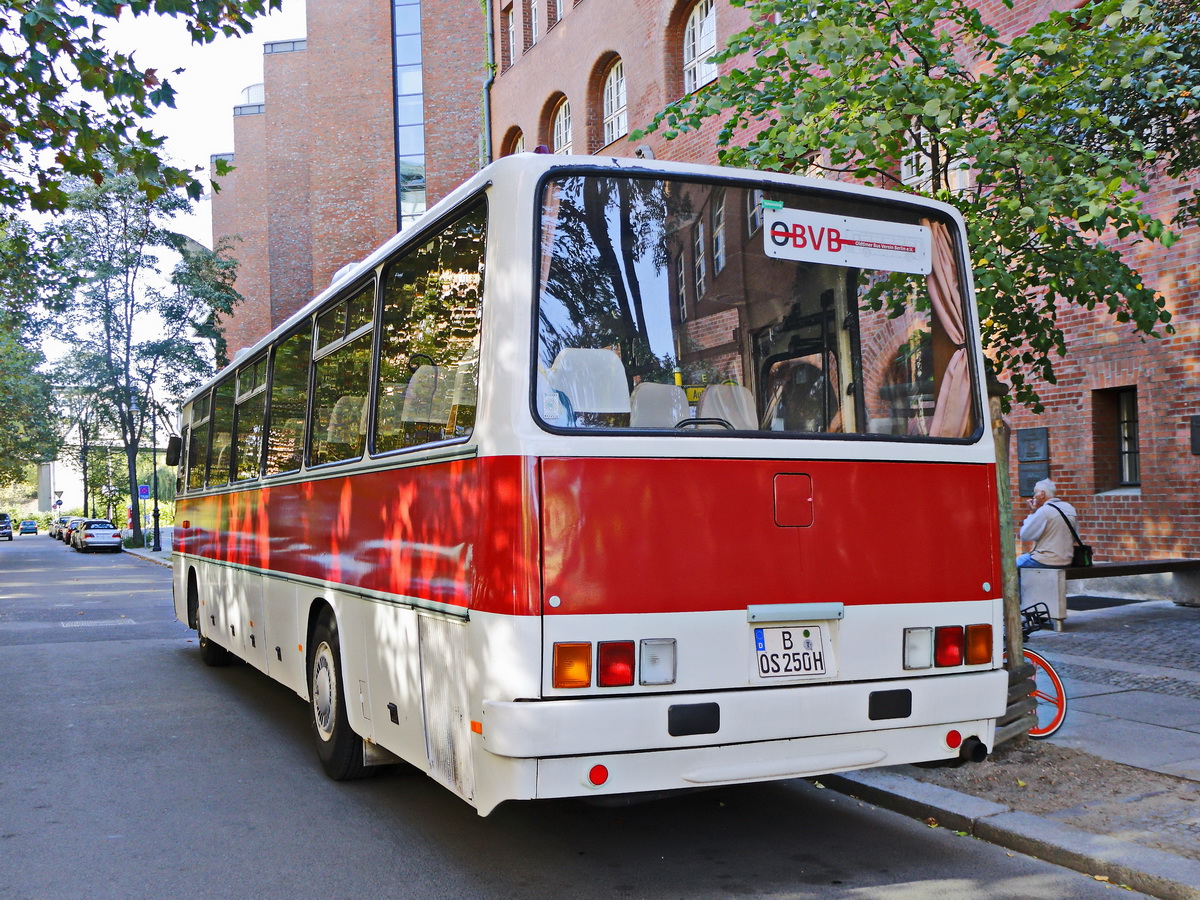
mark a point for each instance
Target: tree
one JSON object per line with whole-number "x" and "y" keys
{"x": 136, "y": 339}
{"x": 1057, "y": 132}
{"x": 73, "y": 106}
{"x": 28, "y": 431}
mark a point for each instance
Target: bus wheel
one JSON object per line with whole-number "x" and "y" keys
{"x": 339, "y": 748}
{"x": 212, "y": 653}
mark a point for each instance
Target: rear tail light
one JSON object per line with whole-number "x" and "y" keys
{"x": 614, "y": 664}
{"x": 573, "y": 665}
{"x": 948, "y": 646}
{"x": 979, "y": 644}
{"x": 652, "y": 661}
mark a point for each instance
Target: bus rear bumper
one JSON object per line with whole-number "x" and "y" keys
{"x": 696, "y": 767}
{"x": 614, "y": 746}
{"x": 639, "y": 723}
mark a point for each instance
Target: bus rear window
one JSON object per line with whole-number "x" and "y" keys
{"x": 668, "y": 306}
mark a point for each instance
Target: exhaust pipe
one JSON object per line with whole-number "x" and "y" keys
{"x": 973, "y": 750}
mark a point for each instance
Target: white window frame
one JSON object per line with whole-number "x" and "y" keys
{"x": 510, "y": 16}
{"x": 718, "y": 237}
{"x": 698, "y": 268}
{"x": 681, "y": 287}
{"x": 561, "y": 128}
{"x": 533, "y": 22}
{"x": 915, "y": 168}
{"x": 699, "y": 43}
{"x": 753, "y": 211}
{"x": 616, "y": 117}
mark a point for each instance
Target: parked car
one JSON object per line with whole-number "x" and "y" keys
{"x": 96, "y": 534}
{"x": 57, "y": 525}
{"x": 72, "y": 524}
{"x": 5, "y": 526}
{"x": 27, "y": 527}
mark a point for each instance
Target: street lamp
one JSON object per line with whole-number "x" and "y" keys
{"x": 157, "y": 545}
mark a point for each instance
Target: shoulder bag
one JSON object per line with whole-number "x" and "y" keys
{"x": 1081, "y": 555}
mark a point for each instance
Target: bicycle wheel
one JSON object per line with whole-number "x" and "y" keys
{"x": 1051, "y": 697}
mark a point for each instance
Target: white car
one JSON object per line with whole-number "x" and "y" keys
{"x": 96, "y": 534}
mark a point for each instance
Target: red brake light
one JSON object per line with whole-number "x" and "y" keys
{"x": 948, "y": 646}
{"x": 614, "y": 663}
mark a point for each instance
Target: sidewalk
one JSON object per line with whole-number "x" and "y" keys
{"x": 162, "y": 557}
{"x": 1115, "y": 793}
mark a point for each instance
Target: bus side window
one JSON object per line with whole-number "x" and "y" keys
{"x": 288, "y": 402}
{"x": 429, "y": 344}
{"x": 221, "y": 453}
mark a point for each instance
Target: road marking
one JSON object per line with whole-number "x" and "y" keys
{"x": 85, "y": 623}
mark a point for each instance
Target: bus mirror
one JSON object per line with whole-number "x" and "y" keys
{"x": 174, "y": 445}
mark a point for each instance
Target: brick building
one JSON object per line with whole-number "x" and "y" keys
{"x": 355, "y": 129}
{"x": 1121, "y": 432}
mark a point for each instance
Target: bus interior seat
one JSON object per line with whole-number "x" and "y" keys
{"x": 656, "y": 405}
{"x": 420, "y": 395}
{"x": 594, "y": 383}
{"x": 732, "y": 402}
{"x": 462, "y": 394}
{"x": 389, "y": 417}
{"x": 553, "y": 405}
{"x": 346, "y": 423}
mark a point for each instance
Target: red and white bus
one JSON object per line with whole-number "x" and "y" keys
{"x": 615, "y": 477}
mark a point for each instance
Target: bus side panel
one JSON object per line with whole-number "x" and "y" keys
{"x": 453, "y": 534}
{"x": 659, "y": 535}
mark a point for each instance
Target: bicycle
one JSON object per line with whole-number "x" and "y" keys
{"x": 1048, "y": 689}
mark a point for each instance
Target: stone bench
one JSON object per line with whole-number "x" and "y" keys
{"x": 1180, "y": 582}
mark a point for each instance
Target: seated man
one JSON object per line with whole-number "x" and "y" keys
{"x": 1047, "y": 527}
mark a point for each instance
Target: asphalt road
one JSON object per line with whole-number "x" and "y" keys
{"x": 129, "y": 769}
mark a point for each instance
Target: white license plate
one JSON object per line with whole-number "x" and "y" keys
{"x": 794, "y": 651}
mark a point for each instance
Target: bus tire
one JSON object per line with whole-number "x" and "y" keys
{"x": 212, "y": 653}
{"x": 338, "y": 747}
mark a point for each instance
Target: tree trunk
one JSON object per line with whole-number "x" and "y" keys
{"x": 135, "y": 511}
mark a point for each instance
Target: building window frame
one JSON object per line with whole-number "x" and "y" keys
{"x": 510, "y": 31}
{"x": 699, "y": 273}
{"x": 560, "y": 128}
{"x": 1129, "y": 463}
{"x": 718, "y": 233}
{"x": 699, "y": 43}
{"x": 616, "y": 116}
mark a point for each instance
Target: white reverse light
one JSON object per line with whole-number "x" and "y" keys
{"x": 657, "y": 664}
{"x": 918, "y": 648}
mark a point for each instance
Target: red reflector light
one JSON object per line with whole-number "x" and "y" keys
{"x": 953, "y": 739}
{"x": 948, "y": 646}
{"x": 979, "y": 644}
{"x": 614, "y": 664}
{"x": 597, "y": 775}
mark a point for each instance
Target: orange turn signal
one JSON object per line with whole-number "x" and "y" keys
{"x": 573, "y": 665}
{"x": 979, "y": 644}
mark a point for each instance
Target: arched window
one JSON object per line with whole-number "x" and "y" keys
{"x": 561, "y": 129}
{"x": 616, "y": 121}
{"x": 514, "y": 142}
{"x": 699, "y": 43}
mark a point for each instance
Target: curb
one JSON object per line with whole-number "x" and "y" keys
{"x": 146, "y": 555}
{"x": 1144, "y": 869}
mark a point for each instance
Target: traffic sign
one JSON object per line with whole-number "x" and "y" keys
{"x": 143, "y": 492}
